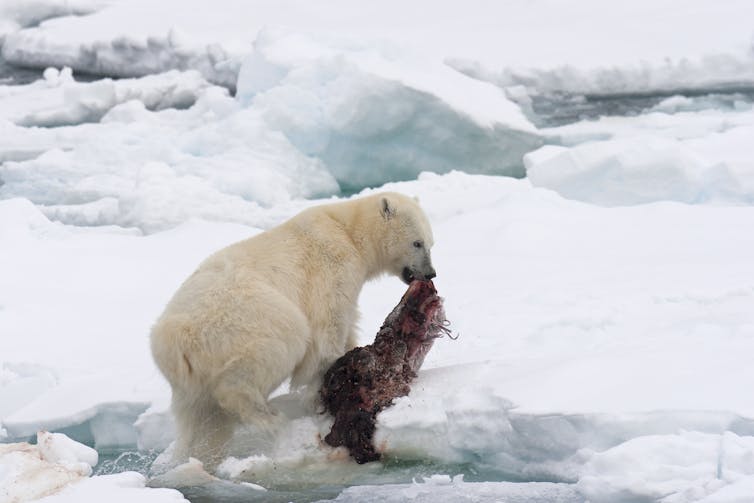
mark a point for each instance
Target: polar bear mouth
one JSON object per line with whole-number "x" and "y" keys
{"x": 407, "y": 276}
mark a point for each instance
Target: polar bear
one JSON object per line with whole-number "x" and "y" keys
{"x": 280, "y": 304}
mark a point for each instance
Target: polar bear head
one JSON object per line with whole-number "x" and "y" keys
{"x": 407, "y": 238}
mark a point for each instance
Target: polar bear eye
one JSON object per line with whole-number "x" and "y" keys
{"x": 418, "y": 244}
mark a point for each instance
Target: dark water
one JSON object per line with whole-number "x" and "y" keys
{"x": 11, "y": 75}
{"x": 558, "y": 109}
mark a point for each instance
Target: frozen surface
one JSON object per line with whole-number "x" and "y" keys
{"x": 327, "y": 105}
{"x": 56, "y": 467}
{"x": 680, "y": 468}
{"x": 556, "y": 308}
{"x": 26, "y": 475}
{"x": 692, "y": 150}
{"x": 58, "y": 449}
{"x": 125, "y": 487}
{"x": 156, "y": 169}
{"x": 641, "y": 170}
{"x": 572, "y": 46}
{"x": 178, "y": 148}
{"x": 18, "y": 14}
{"x": 603, "y": 302}
{"x": 379, "y": 114}
{"x": 58, "y": 100}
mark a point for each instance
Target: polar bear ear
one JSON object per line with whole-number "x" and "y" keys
{"x": 387, "y": 209}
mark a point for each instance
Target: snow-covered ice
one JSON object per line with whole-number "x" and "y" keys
{"x": 603, "y": 297}
{"x": 378, "y": 114}
{"x": 19, "y": 14}
{"x": 327, "y": 127}
{"x": 582, "y": 46}
{"x": 125, "y": 487}
{"x": 58, "y": 100}
{"x": 582, "y": 329}
{"x": 642, "y": 170}
{"x": 680, "y": 150}
{"x": 56, "y": 468}
{"x": 160, "y": 168}
{"x": 679, "y": 468}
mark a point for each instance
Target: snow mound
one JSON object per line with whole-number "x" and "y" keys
{"x": 711, "y": 71}
{"x": 30, "y": 472}
{"x": 17, "y": 14}
{"x": 682, "y": 468}
{"x": 692, "y": 150}
{"x": 58, "y": 448}
{"x": 59, "y": 100}
{"x": 374, "y": 115}
{"x": 638, "y": 170}
{"x": 312, "y": 118}
{"x": 158, "y": 168}
{"x": 85, "y": 44}
{"x": 103, "y": 417}
{"x": 125, "y": 487}
{"x": 456, "y": 415}
{"x": 628, "y": 48}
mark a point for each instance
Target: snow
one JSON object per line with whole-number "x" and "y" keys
{"x": 680, "y": 468}
{"x": 18, "y": 14}
{"x": 621, "y": 172}
{"x": 58, "y": 448}
{"x": 547, "y": 391}
{"x": 602, "y": 298}
{"x": 347, "y": 106}
{"x": 680, "y": 150}
{"x": 157, "y": 169}
{"x": 582, "y": 46}
{"x": 32, "y": 471}
{"x": 322, "y": 130}
{"x": 119, "y": 488}
{"x": 58, "y": 100}
{"x": 25, "y": 475}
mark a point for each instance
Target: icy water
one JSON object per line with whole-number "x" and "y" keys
{"x": 554, "y": 110}
{"x": 389, "y": 471}
{"x": 124, "y": 460}
{"x": 13, "y": 75}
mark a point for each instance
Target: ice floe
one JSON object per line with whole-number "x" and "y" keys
{"x": 603, "y": 301}
{"x": 584, "y": 331}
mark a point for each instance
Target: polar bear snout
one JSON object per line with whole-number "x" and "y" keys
{"x": 408, "y": 275}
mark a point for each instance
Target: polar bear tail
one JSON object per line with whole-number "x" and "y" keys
{"x": 168, "y": 339}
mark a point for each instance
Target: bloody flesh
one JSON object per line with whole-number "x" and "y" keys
{"x": 367, "y": 379}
